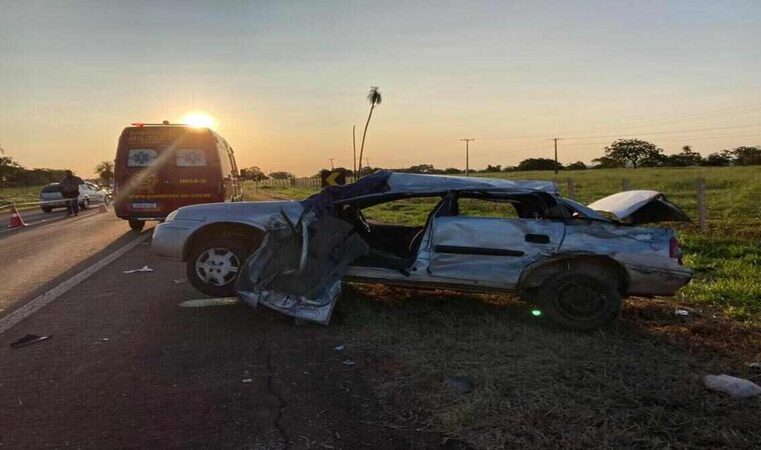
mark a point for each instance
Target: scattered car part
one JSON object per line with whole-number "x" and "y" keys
{"x": 29, "y": 339}
{"x": 732, "y": 386}
{"x": 206, "y": 302}
{"x": 142, "y": 269}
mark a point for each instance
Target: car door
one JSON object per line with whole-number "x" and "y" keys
{"x": 93, "y": 193}
{"x": 488, "y": 247}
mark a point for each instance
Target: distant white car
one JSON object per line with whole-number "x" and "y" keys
{"x": 89, "y": 194}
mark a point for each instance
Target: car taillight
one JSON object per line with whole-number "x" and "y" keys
{"x": 675, "y": 251}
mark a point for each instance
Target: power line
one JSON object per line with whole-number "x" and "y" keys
{"x": 708, "y": 114}
{"x": 651, "y": 133}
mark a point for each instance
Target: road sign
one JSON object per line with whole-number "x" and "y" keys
{"x": 333, "y": 177}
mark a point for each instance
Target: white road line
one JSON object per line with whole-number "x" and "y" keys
{"x": 30, "y": 308}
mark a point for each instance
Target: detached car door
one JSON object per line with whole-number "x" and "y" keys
{"x": 487, "y": 243}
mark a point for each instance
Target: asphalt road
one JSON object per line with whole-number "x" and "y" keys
{"x": 43, "y": 253}
{"x": 126, "y": 366}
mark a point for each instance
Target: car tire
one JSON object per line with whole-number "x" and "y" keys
{"x": 137, "y": 225}
{"x": 213, "y": 265}
{"x": 579, "y": 301}
{"x": 85, "y": 204}
{"x": 46, "y": 209}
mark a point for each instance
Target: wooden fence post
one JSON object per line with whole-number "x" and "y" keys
{"x": 624, "y": 184}
{"x": 571, "y": 188}
{"x": 702, "y": 207}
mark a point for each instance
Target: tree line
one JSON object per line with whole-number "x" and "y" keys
{"x": 621, "y": 153}
{"x": 14, "y": 174}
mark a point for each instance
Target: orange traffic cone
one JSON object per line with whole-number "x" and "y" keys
{"x": 16, "y": 220}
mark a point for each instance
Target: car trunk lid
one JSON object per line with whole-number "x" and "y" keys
{"x": 639, "y": 207}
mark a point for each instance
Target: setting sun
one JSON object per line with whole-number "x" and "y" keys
{"x": 198, "y": 120}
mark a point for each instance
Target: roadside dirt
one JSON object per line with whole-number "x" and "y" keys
{"x": 637, "y": 384}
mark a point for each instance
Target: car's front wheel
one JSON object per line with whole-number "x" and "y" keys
{"x": 579, "y": 301}
{"x": 214, "y": 265}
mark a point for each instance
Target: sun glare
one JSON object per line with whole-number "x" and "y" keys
{"x": 199, "y": 120}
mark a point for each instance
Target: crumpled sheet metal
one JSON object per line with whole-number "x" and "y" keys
{"x": 271, "y": 277}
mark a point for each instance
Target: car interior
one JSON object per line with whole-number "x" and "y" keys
{"x": 394, "y": 243}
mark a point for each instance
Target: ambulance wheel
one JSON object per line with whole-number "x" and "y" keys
{"x": 136, "y": 225}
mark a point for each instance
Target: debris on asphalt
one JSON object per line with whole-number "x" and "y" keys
{"x": 348, "y": 362}
{"x": 247, "y": 380}
{"x": 732, "y": 386}
{"x": 340, "y": 348}
{"x": 142, "y": 269}
{"x": 460, "y": 384}
{"x": 205, "y": 302}
{"x": 29, "y": 339}
{"x": 179, "y": 281}
{"x": 682, "y": 312}
{"x": 104, "y": 339}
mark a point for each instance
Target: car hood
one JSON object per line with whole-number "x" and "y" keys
{"x": 639, "y": 207}
{"x": 251, "y": 212}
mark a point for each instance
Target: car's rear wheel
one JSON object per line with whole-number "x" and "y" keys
{"x": 579, "y": 301}
{"x": 214, "y": 265}
{"x": 136, "y": 225}
{"x": 85, "y": 204}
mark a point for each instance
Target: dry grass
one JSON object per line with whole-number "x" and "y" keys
{"x": 635, "y": 385}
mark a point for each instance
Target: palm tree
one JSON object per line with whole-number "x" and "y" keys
{"x": 374, "y": 97}
{"x": 105, "y": 170}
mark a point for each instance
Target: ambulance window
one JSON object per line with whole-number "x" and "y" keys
{"x": 141, "y": 157}
{"x": 191, "y": 157}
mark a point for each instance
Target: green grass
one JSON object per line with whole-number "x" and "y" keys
{"x": 732, "y": 193}
{"x": 726, "y": 260}
{"x": 19, "y": 194}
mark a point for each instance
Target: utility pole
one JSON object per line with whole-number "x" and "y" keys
{"x": 556, "y": 154}
{"x": 467, "y": 155}
{"x": 331, "y": 163}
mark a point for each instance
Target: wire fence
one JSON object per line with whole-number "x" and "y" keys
{"x": 690, "y": 193}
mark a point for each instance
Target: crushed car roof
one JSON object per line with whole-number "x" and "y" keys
{"x": 412, "y": 182}
{"x": 387, "y": 182}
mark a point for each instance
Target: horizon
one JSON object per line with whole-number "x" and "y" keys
{"x": 285, "y": 82}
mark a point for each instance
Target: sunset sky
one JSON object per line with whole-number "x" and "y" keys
{"x": 286, "y": 81}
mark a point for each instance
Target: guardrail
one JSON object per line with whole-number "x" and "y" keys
{"x": 61, "y": 201}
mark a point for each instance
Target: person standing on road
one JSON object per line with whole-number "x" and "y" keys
{"x": 70, "y": 191}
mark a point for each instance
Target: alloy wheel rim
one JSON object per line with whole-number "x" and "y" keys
{"x": 217, "y": 266}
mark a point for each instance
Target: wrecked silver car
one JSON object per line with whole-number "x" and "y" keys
{"x": 474, "y": 234}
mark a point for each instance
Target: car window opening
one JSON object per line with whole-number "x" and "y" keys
{"x": 393, "y": 229}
